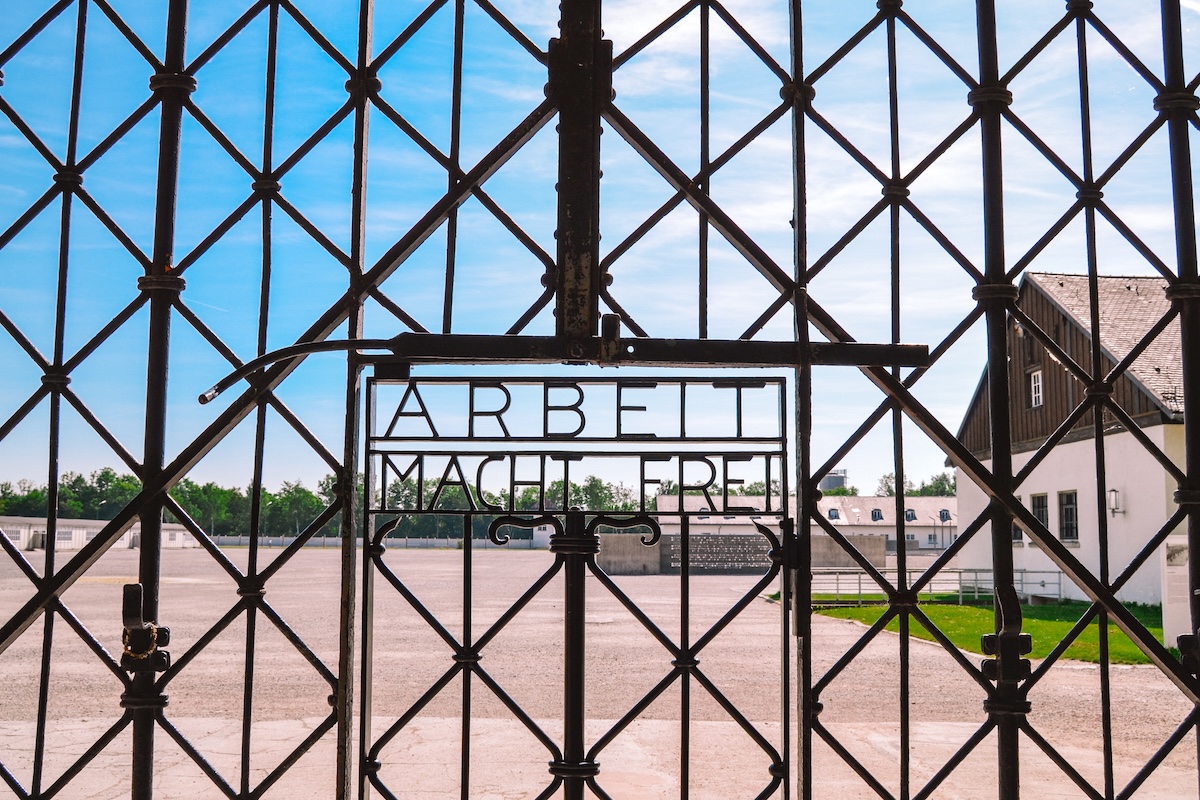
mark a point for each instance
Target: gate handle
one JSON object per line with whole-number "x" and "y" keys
{"x": 131, "y": 607}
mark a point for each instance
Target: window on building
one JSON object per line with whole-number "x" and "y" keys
{"x": 931, "y": 539}
{"x": 944, "y": 515}
{"x": 1068, "y": 517}
{"x": 1017, "y": 533}
{"x": 1040, "y": 508}
{"x": 910, "y": 537}
{"x": 833, "y": 513}
{"x": 1033, "y": 382}
{"x": 910, "y": 515}
{"x": 876, "y": 515}
{"x": 64, "y": 536}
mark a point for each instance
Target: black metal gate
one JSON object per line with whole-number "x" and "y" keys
{"x": 171, "y": 183}
{"x": 489, "y": 479}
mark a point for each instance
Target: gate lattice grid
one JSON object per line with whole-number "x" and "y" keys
{"x": 231, "y": 242}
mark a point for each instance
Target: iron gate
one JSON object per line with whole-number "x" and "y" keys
{"x": 441, "y": 448}
{"x": 232, "y": 191}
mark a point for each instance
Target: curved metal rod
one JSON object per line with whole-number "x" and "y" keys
{"x": 629, "y": 522}
{"x": 383, "y": 530}
{"x": 290, "y": 352}
{"x": 520, "y": 522}
{"x": 770, "y": 534}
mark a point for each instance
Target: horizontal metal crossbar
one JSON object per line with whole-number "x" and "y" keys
{"x": 423, "y": 348}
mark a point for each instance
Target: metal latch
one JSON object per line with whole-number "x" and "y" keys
{"x": 1009, "y": 644}
{"x": 141, "y": 640}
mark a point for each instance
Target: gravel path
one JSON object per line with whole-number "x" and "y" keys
{"x": 625, "y": 662}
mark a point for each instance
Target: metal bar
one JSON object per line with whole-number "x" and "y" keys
{"x": 469, "y": 651}
{"x": 455, "y": 169}
{"x": 704, "y": 178}
{"x": 347, "y": 486}
{"x": 959, "y": 756}
{"x": 467, "y": 348}
{"x": 734, "y": 25}
{"x": 118, "y": 132}
{"x": 84, "y": 760}
{"x": 1168, "y": 746}
{"x": 633, "y": 713}
{"x": 579, "y": 85}
{"x": 1179, "y": 104}
{"x": 227, "y": 35}
{"x": 653, "y": 34}
{"x": 720, "y": 221}
{"x": 737, "y": 716}
{"x": 575, "y": 547}
{"x": 512, "y": 30}
{"x": 207, "y": 768}
{"x": 30, "y": 136}
{"x": 33, "y": 30}
{"x": 1006, "y": 706}
{"x": 1096, "y": 383}
{"x": 478, "y": 349}
{"x": 360, "y": 545}
{"x": 296, "y": 753}
{"x": 894, "y": 191}
{"x": 686, "y": 659}
{"x": 31, "y": 213}
{"x": 143, "y": 698}
{"x": 394, "y": 46}
{"x": 636, "y": 611}
{"x": 518, "y": 712}
{"x": 315, "y": 34}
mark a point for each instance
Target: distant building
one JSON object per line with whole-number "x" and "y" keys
{"x": 836, "y": 479}
{"x": 29, "y": 533}
{"x": 928, "y": 523}
{"x": 1061, "y": 491}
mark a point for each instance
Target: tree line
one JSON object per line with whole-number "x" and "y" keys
{"x": 228, "y": 511}
{"x": 220, "y": 510}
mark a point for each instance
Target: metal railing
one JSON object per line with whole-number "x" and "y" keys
{"x": 855, "y": 587}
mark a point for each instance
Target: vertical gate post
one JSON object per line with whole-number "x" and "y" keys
{"x": 1179, "y": 104}
{"x": 1006, "y": 704}
{"x": 143, "y": 700}
{"x": 580, "y": 84}
{"x": 360, "y": 86}
{"x": 576, "y": 546}
{"x": 797, "y": 532}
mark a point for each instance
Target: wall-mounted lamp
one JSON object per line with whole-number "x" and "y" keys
{"x": 1114, "y": 502}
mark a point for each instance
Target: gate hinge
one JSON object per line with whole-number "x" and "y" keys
{"x": 141, "y": 640}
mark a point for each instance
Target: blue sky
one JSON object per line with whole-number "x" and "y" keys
{"x": 497, "y": 277}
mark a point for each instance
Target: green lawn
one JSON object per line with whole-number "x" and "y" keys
{"x": 1047, "y": 625}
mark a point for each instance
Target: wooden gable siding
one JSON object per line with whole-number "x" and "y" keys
{"x": 1061, "y": 392}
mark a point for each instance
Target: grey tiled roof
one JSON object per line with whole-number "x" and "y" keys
{"x": 1129, "y": 308}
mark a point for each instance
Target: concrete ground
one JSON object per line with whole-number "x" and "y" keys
{"x": 739, "y": 668}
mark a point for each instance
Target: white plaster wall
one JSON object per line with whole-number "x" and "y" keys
{"x": 1146, "y": 496}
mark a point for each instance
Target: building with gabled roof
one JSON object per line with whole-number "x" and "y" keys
{"x": 1047, "y": 407}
